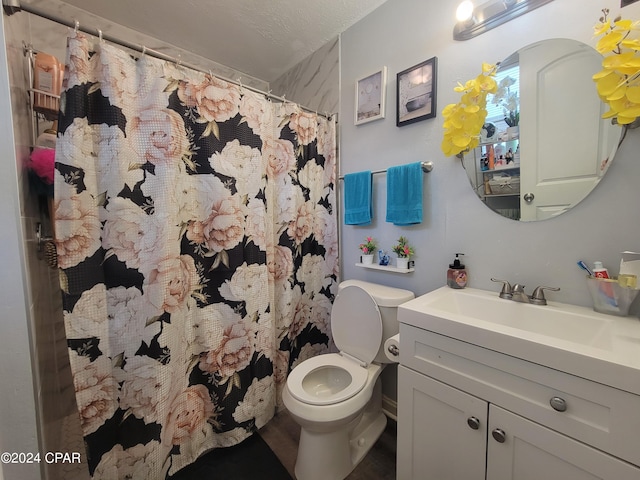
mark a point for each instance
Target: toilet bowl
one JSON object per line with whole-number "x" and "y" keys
{"x": 336, "y": 398}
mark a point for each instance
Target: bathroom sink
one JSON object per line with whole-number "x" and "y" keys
{"x": 585, "y": 327}
{"x": 569, "y": 338}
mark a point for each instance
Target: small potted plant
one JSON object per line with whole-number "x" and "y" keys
{"x": 404, "y": 251}
{"x": 368, "y": 248}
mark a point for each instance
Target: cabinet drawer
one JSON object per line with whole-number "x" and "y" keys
{"x": 598, "y": 415}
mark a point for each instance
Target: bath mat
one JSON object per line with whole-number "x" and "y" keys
{"x": 250, "y": 460}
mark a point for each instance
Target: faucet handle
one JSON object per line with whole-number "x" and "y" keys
{"x": 537, "y": 297}
{"x": 507, "y": 291}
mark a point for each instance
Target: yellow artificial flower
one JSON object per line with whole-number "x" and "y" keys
{"x": 607, "y": 84}
{"x": 448, "y": 109}
{"x": 618, "y": 83}
{"x": 614, "y": 62}
{"x": 617, "y": 94}
{"x": 633, "y": 94}
{"x": 609, "y": 42}
{"x": 463, "y": 120}
{"x": 633, "y": 44}
{"x": 602, "y": 27}
{"x": 625, "y": 108}
{"x": 487, "y": 83}
{"x": 626, "y": 24}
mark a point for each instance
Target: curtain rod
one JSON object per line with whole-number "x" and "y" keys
{"x": 426, "y": 168}
{"x": 13, "y": 6}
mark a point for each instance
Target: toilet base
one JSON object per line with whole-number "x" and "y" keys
{"x": 333, "y": 455}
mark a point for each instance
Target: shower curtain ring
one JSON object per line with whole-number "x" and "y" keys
{"x": 77, "y": 26}
{"x": 100, "y": 35}
{"x": 144, "y": 50}
{"x": 179, "y": 62}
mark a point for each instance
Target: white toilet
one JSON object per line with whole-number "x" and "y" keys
{"x": 336, "y": 398}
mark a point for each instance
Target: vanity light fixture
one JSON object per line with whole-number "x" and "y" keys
{"x": 473, "y": 21}
{"x": 464, "y": 13}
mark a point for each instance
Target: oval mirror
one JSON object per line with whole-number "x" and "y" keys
{"x": 560, "y": 148}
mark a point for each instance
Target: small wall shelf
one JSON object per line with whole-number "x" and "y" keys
{"x": 386, "y": 268}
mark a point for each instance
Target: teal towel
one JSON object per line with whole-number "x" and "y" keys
{"x": 404, "y": 194}
{"x": 358, "y": 208}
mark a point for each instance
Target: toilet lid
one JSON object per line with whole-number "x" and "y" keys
{"x": 356, "y": 325}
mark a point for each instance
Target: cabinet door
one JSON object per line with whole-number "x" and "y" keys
{"x": 529, "y": 451}
{"x": 442, "y": 431}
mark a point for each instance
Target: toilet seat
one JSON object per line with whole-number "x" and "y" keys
{"x": 304, "y": 387}
{"x": 356, "y": 327}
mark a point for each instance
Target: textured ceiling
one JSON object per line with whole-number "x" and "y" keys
{"x": 262, "y": 38}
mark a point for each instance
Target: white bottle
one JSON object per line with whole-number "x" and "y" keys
{"x": 599, "y": 271}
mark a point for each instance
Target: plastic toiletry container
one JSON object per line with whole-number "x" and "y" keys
{"x": 457, "y": 274}
{"x": 47, "y": 81}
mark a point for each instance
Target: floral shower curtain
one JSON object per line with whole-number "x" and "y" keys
{"x": 197, "y": 245}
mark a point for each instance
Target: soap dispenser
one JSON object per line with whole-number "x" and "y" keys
{"x": 457, "y": 275}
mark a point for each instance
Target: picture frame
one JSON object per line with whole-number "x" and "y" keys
{"x": 624, "y": 3}
{"x": 416, "y": 93}
{"x": 370, "y": 97}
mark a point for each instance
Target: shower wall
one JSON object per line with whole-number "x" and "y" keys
{"x": 52, "y": 382}
{"x": 315, "y": 81}
{"x": 17, "y": 395}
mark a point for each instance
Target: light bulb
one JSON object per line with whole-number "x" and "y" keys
{"x": 464, "y": 11}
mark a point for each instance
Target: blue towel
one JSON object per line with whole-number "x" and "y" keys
{"x": 358, "y": 208}
{"x": 404, "y": 194}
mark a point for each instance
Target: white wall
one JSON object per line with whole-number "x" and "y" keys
{"x": 403, "y": 33}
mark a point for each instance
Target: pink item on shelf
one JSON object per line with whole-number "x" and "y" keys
{"x": 42, "y": 163}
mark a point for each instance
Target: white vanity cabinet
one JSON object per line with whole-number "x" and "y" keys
{"x": 467, "y": 412}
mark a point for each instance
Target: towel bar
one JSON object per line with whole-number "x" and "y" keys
{"x": 426, "y": 168}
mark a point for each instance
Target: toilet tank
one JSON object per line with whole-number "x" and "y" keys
{"x": 387, "y": 299}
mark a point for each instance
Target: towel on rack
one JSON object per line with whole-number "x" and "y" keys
{"x": 358, "y": 207}
{"x": 404, "y": 194}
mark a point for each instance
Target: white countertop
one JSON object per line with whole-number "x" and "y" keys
{"x": 573, "y": 339}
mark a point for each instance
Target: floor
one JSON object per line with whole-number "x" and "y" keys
{"x": 282, "y": 434}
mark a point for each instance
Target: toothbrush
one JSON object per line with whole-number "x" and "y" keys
{"x": 583, "y": 266}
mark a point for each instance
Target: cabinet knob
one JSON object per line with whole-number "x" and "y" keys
{"x": 499, "y": 435}
{"x": 558, "y": 404}
{"x": 473, "y": 422}
{"x": 528, "y": 197}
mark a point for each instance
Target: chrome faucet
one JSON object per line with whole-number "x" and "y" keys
{"x": 517, "y": 293}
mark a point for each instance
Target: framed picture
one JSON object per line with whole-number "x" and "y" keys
{"x": 370, "y": 94}
{"x": 417, "y": 93}
{"x": 624, "y": 3}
